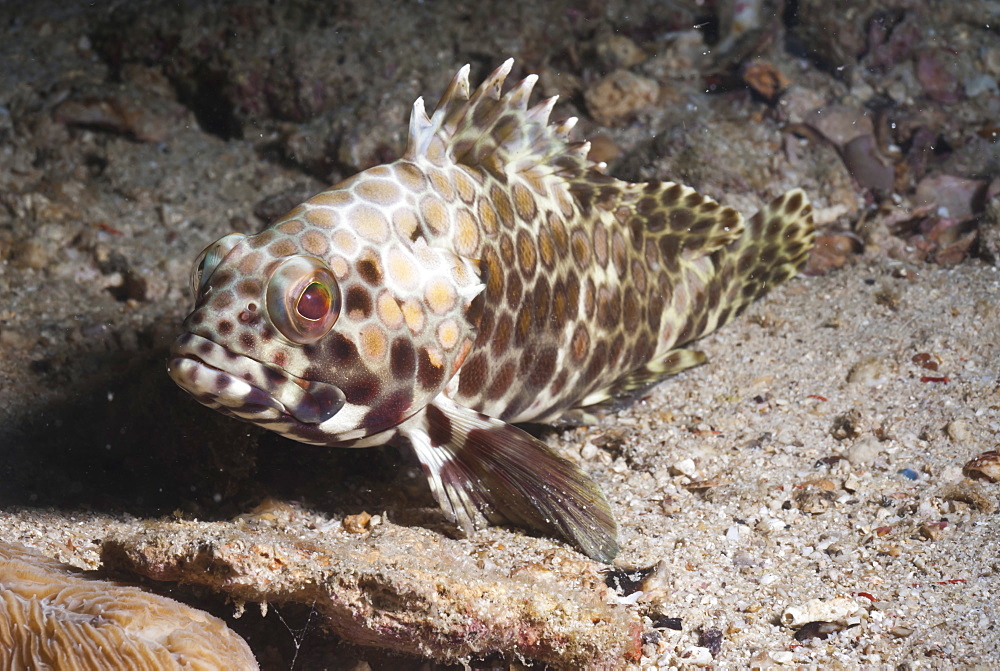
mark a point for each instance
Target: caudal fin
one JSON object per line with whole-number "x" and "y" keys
{"x": 772, "y": 247}
{"x": 479, "y": 466}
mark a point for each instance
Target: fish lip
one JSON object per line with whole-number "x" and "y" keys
{"x": 246, "y": 387}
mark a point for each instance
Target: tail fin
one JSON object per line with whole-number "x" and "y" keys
{"x": 773, "y": 246}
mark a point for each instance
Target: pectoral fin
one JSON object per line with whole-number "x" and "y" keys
{"x": 479, "y": 466}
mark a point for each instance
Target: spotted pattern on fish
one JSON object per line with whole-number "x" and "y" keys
{"x": 492, "y": 275}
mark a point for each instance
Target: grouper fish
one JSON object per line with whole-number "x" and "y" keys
{"x": 493, "y": 275}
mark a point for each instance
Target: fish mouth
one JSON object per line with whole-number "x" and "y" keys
{"x": 249, "y": 389}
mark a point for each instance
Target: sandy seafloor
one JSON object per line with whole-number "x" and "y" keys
{"x": 816, "y": 456}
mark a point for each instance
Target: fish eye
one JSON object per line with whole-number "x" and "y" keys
{"x": 209, "y": 259}
{"x": 302, "y": 299}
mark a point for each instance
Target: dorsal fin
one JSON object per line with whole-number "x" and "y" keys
{"x": 495, "y": 131}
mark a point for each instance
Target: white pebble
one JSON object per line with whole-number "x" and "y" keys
{"x": 696, "y": 656}
{"x": 863, "y": 451}
{"x": 685, "y": 467}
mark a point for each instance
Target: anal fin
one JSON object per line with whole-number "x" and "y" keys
{"x": 479, "y": 466}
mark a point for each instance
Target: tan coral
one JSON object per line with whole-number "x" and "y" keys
{"x": 52, "y": 616}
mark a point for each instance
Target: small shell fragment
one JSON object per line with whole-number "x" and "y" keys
{"x": 818, "y": 610}
{"x": 984, "y": 467}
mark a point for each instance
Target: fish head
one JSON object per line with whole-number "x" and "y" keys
{"x": 323, "y": 335}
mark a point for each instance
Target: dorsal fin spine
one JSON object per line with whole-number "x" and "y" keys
{"x": 496, "y": 131}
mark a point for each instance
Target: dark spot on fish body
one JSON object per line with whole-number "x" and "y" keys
{"x": 544, "y": 368}
{"x": 604, "y": 317}
{"x": 524, "y": 323}
{"x": 584, "y": 197}
{"x": 559, "y": 383}
{"x": 580, "y": 344}
{"x": 714, "y": 295}
{"x": 501, "y": 336}
{"x": 403, "y": 359}
{"x": 637, "y": 228}
{"x": 598, "y": 360}
{"x": 362, "y": 388}
{"x": 646, "y": 206}
{"x": 701, "y": 226}
{"x": 669, "y": 252}
{"x": 248, "y": 288}
{"x": 358, "y": 303}
{"x": 485, "y": 332}
{"x": 526, "y": 364}
{"x": 572, "y": 296}
{"x": 501, "y": 381}
{"x": 247, "y": 342}
{"x": 607, "y": 196}
{"x": 630, "y": 310}
{"x": 514, "y": 288}
{"x": 524, "y": 203}
{"x": 773, "y": 229}
{"x": 205, "y": 348}
{"x": 680, "y": 220}
{"x": 671, "y": 195}
{"x": 340, "y": 350}
{"x": 494, "y": 277}
{"x": 615, "y": 350}
{"x": 503, "y": 206}
{"x": 694, "y": 242}
{"x": 693, "y": 200}
{"x": 471, "y": 380}
{"x": 546, "y": 248}
{"x": 197, "y": 318}
{"x": 438, "y": 426}
{"x": 701, "y": 324}
{"x": 793, "y": 249}
{"x": 559, "y": 234}
{"x": 724, "y": 315}
{"x": 793, "y": 204}
{"x": 526, "y": 256}
{"x": 730, "y": 219}
{"x": 768, "y": 254}
{"x": 474, "y": 313}
{"x": 601, "y": 244}
{"x": 559, "y": 309}
{"x": 619, "y": 256}
{"x": 581, "y": 248}
{"x": 541, "y": 301}
{"x": 221, "y": 278}
{"x": 589, "y": 299}
{"x": 262, "y": 239}
{"x": 222, "y": 300}
{"x": 387, "y": 412}
{"x": 225, "y": 327}
{"x": 369, "y": 272}
{"x": 655, "y": 311}
{"x": 507, "y": 250}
